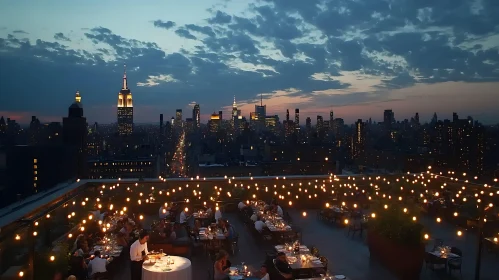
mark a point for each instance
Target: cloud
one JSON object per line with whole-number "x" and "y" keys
{"x": 60, "y": 36}
{"x": 220, "y": 18}
{"x": 19, "y": 32}
{"x": 182, "y": 32}
{"x": 206, "y": 30}
{"x": 156, "y": 80}
{"x": 164, "y": 24}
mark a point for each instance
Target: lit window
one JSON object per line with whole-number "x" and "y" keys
{"x": 34, "y": 185}
{"x": 35, "y": 160}
{"x": 36, "y": 172}
{"x": 36, "y": 178}
{"x": 35, "y": 166}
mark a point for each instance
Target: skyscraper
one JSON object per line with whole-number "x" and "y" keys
{"x": 161, "y": 128}
{"x": 74, "y": 128}
{"x": 331, "y": 119}
{"x": 358, "y": 140}
{"x": 125, "y": 109}
{"x": 235, "y": 115}
{"x": 196, "y": 115}
{"x": 234, "y": 109}
{"x": 388, "y": 118}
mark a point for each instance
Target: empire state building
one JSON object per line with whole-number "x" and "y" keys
{"x": 125, "y": 109}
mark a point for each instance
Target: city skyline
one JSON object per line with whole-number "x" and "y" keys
{"x": 356, "y": 58}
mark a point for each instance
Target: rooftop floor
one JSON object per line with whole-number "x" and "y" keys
{"x": 348, "y": 256}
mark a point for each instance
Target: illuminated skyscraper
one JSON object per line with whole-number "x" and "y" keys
{"x": 235, "y": 116}
{"x": 75, "y": 134}
{"x": 125, "y": 109}
{"x": 234, "y": 109}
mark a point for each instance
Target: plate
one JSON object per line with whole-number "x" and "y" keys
{"x": 339, "y": 277}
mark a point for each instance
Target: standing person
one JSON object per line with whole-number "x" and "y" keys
{"x": 138, "y": 254}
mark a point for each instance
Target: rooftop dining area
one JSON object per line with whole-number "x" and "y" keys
{"x": 404, "y": 226}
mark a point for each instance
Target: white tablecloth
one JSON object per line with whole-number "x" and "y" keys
{"x": 180, "y": 270}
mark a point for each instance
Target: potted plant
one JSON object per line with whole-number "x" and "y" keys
{"x": 396, "y": 240}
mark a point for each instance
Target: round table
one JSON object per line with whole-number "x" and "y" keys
{"x": 179, "y": 270}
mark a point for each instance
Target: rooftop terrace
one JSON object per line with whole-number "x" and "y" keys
{"x": 51, "y": 211}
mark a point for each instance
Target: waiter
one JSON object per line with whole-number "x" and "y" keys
{"x": 138, "y": 254}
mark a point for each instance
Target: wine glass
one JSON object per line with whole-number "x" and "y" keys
{"x": 161, "y": 252}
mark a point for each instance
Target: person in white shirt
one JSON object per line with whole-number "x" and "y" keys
{"x": 259, "y": 225}
{"x": 97, "y": 264}
{"x": 218, "y": 214}
{"x": 138, "y": 254}
{"x": 241, "y": 205}
{"x": 279, "y": 211}
{"x": 263, "y": 273}
{"x": 254, "y": 217}
{"x": 184, "y": 216}
{"x": 163, "y": 212}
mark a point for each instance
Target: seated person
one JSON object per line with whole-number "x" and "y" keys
{"x": 163, "y": 212}
{"x": 82, "y": 249}
{"x": 127, "y": 228}
{"x": 254, "y": 217}
{"x": 181, "y": 234}
{"x": 169, "y": 233}
{"x": 185, "y": 216}
{"x": 279, "y": 211}
{"x": 282, "y": 265}
{"x": 220, "y": 223}
{"x": 241, "y": 205}
{"x": 221, "y": 266}
{"x": 218, "y": 214}
{"x": 229, "y": 231}
{"x": 97, "y": 264}
{"x": 259, "y": 225}
{"x": 262, "y": 274}
{"x": 78, "y": 266}
{"x": 248, "y": 211}
{"x": 195, "y": 229}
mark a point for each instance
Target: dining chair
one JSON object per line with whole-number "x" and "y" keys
{"x": 455, "y": 263}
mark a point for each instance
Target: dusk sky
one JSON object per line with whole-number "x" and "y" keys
{"x": 355, "y": 57}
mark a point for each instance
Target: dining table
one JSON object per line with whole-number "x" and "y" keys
{"x": 301, "y": 260}
{"x": 167, "y": 268}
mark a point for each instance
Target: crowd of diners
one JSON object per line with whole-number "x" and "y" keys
{"x": 187, "y": 227}
{"x": 276, "y": 265}
{"x": 87, "y": 261}
{"x": 176, "y": 224}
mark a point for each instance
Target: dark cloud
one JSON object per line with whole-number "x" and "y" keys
{"x": 206, "y": 30}
{"x": 164, "y": 24}
{"x": 184, "y": 33}
{"x": 60, "y": 36}
{"x": 220, "y": 18}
